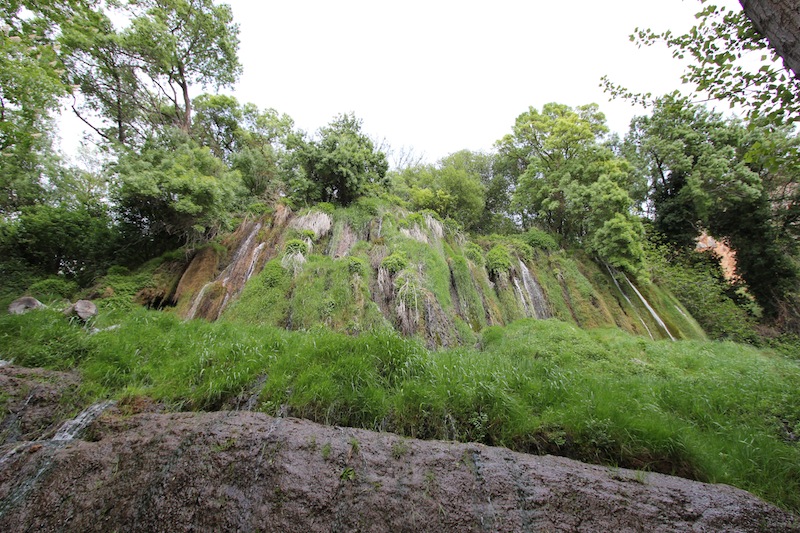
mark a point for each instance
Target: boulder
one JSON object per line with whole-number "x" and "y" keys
{"x": 245, "y": 471}
{"x": 83, "y": 309}
{"x": 24, "y": 304}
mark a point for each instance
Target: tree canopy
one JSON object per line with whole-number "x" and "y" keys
{"x": 340, "y": 164}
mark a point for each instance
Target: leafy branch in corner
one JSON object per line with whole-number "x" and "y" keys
{"x": 728, "y": 60}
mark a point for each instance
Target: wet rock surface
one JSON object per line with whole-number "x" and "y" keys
{"x": 35, "y": 402}
{"x": 244, "y": 471}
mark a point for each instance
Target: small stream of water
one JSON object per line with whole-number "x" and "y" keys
{"x": 538, "y": 300}
{"x": 629, "y": 302}
{"x": 241, "y": 268}
{"x": 72, "y": 429}
{"x": 649, "y": 307}
{"x": 69, "y": 430}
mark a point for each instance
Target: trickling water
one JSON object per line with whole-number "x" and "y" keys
{"x": 649, "y": 308}
{"x": 73, "y": 428}
{"x": 630, "y": 303}
{"x": 538, "y": 301}
{"x": 232, "y": 290}
{"x": 522, "y": 298}
{"x": 242, "y": 259}
{"x": 4, "y": 363}
{"x": 68, "y": 431}
{"x": 197, "y": 300}
{"x": 236, "y": 274}
{"x": 256, "y": 256}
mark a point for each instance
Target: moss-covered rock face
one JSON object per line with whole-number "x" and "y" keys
{"x": 373, "y": 265}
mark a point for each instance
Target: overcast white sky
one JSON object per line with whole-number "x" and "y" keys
{"x": 442, "y": 75}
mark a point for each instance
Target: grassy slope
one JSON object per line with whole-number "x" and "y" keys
{"x": 717, "y": 412}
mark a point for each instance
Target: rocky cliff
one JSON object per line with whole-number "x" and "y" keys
{"x": 372, "y": 266}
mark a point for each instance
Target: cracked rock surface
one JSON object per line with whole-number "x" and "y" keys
{"x": 245, "y": 471}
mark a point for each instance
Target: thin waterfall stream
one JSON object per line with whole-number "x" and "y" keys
{"x": 538, "y": 300}
{"x": 241, "y": 268}
{"x": 72, "y": 429}
{"x": 629, "y": 302}
{"x": 69, "y": 430}
{"x": 649, "y": 308}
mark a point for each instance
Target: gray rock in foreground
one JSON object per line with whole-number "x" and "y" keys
{"x": 243, "y": 471}
{"x": 83, "y": 309}
{"x": 23, "y": 305}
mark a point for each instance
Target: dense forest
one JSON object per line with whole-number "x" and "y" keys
{"x": 177, "y": 180}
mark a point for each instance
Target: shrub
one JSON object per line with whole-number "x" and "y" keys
{"x": 356, "y": 265}
{"x": 326, "y": 207}
{"x": 296, "y": 246}
{"x": 432, "y": 214}
{"x": 452, "y": 226}
{"x": 118, "y": 270}
{"x": 498, "y": 259}
{"x": 53, "y": 288}
{"x": 414, "y": 218}
{"x": 259, "y": 209}
{"x": 272, "y": 275}
{"x": 394, "y": 263}
{"x": 539, "y": 240}
{"x": 474, "y": 253}
{"x": 522, "y": 250}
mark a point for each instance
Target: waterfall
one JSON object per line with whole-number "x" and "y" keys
{"x": 649, "y": 308}
{"x": 256, "y": 256}
{"x": 197, "y": 300}
{"x": 73, "y": 428}
{"x": 68, "y": 431}
{"x": 629, "y": 302}
{"x": 241, "y": 268}
{"x": 538, "y": 301}
{"x": 239, "y": 285}
{"x": 522, "y": 298}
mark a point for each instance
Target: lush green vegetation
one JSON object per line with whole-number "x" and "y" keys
{"x": 442, "y": 252}
{"x": 718, "y": 412}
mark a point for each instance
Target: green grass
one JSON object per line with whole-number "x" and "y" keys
{"x": 713, "y": 411}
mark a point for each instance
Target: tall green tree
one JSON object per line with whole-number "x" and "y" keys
{"x": 31, "y": 84}
{"x": 173, "y": 192}
{"x": 113, "y": 100}
{"x": 141, "y": 77}
{"x": 340, "y": 165}
{"x": 574, "y": 185}
{"x": 543, "y": 144}
{"x": 454, "y": 187}
{"x": 708, "y": 173}
{"x": 251, "y": 140}
{"x": 183, "y": 43}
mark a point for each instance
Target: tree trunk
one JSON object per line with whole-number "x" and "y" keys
{"x": 779, "y": 22}
{"x": 186, "y": 119}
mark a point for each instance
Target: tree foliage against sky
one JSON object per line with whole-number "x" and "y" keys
{"x": 31, "y": 84}
{"x": 340, "y": 164}
{"x": 140, "y": 77}
{"x": 728, "y": 60}
{"x": 574, "y": 185}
